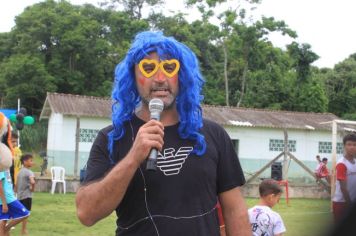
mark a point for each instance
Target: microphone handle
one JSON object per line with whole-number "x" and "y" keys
{"x": 152, "y": 160}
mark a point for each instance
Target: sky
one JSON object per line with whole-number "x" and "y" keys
{"x": 327, "y": 25}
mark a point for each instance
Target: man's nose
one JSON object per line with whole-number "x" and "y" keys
{"x": 160, "y": 76}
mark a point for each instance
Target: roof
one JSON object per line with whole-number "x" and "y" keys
{"x": 232, "y": 116}
{"x": 78, "y": 105}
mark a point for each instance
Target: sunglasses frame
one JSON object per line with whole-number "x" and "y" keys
{"x": 157, "y": 66}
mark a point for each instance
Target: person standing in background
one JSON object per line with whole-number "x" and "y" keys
{"x": 322, "y": 170}
{"x": 16, "y": 164}
{"x": 265, "y": 221}
{"x": 25, "y": 186}
{"x": 345, "y": 190}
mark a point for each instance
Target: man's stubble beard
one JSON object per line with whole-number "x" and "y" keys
{"x": 167, "y": 106}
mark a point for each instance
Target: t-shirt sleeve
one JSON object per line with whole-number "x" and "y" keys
{"x": 341, "y": 170}
{"x": 30, "y": 174}
{"x": 279, "y": 225}
{"x": 229, "y": 173}
{"x": 98, "y": 163}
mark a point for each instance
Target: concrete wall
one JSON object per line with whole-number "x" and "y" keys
{"x": 250, "y": 190}
{"x": 61, "y": 140}
{"x": 253, "y": 145}
{"x": 254, "y": 152}
{"x": 254, "y": 142}
{"x": 61, "y": 131}
{"x": 294, "y": 191}
{"x": 44, "y": 184}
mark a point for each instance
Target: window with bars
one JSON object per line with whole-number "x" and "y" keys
{"x": 326, "y": 147}
{"x": 87, "y": 135}
{"x": 278, "y": 145}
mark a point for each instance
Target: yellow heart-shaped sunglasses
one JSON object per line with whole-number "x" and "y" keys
{"x": 149, "y": 67}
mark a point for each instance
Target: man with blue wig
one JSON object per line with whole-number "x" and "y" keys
{"x": 196, "y": 162}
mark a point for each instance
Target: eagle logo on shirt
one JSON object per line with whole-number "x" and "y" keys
{"x": 170, "y": 161}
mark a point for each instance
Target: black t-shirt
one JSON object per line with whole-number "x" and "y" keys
{"x": 182, "y": 194}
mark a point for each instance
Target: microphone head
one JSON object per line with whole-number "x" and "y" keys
{"x": 156, "y": 105}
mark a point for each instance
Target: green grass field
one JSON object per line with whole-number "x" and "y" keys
{"x": 54, "y": 215}
{"x": 303, "y": 217}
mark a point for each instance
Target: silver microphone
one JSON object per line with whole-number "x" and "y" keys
{"x": 156, "y": 107}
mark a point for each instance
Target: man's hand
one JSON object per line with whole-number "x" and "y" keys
{"x": 114, "y": 185}
{"x": 149, "y": 136}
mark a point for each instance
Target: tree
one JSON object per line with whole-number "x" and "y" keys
{"x": 340, "y": 84}
{"x": 249, "y": 49}
{"x": 213, "y": 3}
{"x": 134, "y": 7}
{"x": 25, "y": 77}
{"x": 80, "y": 45}
{"x": 228, "y": 19}
{"x": 6, "y": 45}
{"x": 303, "y": 58}
{"x": 312, "y": 98}
{"x": 74, "y": 49}
{"x": 270, "y": 83}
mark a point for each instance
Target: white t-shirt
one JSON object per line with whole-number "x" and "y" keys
{"x": 345, "y": 170}
{"x": 265, "y": 222}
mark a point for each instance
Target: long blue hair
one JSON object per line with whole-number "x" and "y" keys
{"x": 126, "y": 97}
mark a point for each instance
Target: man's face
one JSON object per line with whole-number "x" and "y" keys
{"x": 159, "y": 84}
{"x": 350, "y": 148}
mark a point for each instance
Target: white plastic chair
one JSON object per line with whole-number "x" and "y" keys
{"x": 58, "y": 173}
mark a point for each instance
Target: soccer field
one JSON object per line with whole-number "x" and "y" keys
{"x": 55, "y": 215}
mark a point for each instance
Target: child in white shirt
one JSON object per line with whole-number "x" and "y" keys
{"x": 264, "y": 221}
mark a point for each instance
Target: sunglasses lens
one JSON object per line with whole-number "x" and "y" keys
{"x": 148, "y": 68}
{"x": 169, "y": 67}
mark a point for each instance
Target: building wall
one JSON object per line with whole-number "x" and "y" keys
{"x": 61, "y": 140}
{"x": 253, "y": 145}
{"x": 55, "y": 127}
{"x": 254, "y": 149}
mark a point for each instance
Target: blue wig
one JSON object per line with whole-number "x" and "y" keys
{"x": 126, "y": 97}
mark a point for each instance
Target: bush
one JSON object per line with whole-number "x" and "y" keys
{"x": 34, "y": 137}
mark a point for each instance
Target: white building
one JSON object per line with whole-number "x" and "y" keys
{"x": 65, "y": 113}
{"x": 257, "y": 134}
